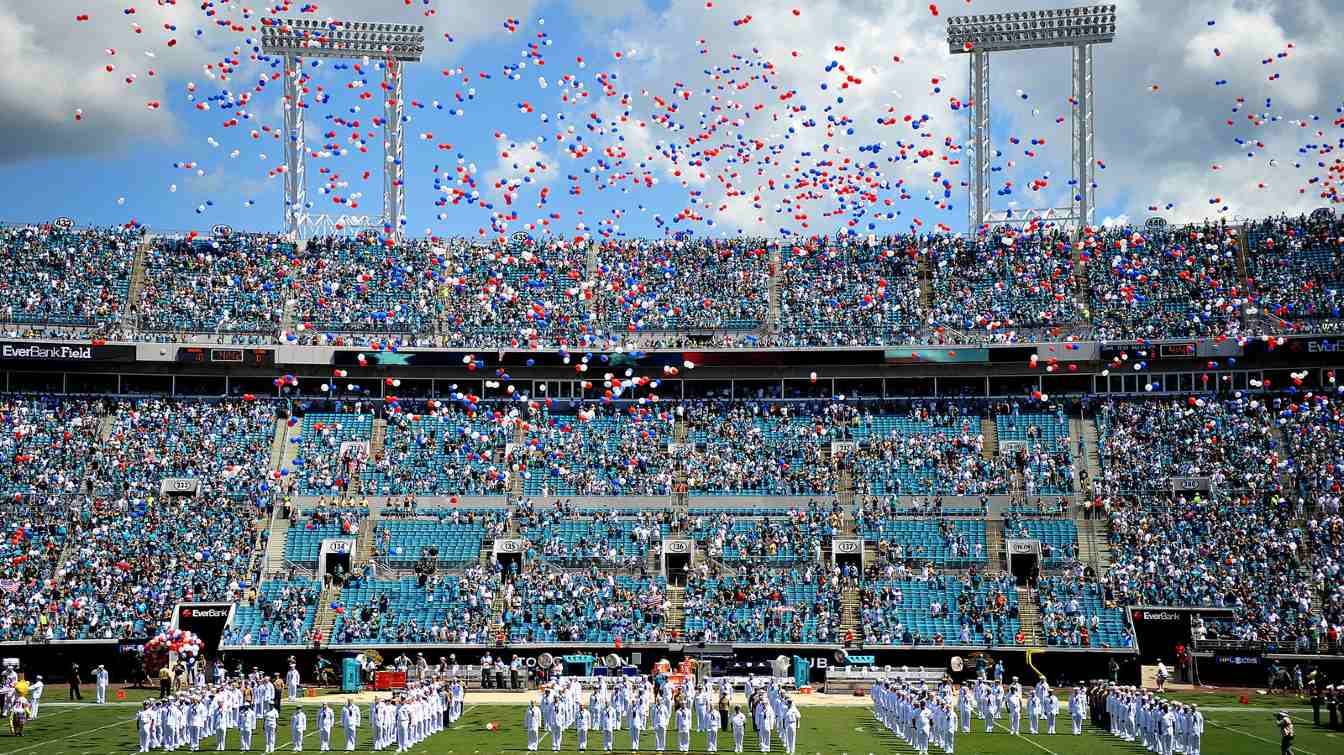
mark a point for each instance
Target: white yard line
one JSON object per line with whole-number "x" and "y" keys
{"x": 1259, "y": 738}
{"x": 49, "y": 742}
{"x": 1036, "y": 744}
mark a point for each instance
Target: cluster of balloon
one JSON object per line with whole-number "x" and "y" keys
{"x": 177, "y": 641}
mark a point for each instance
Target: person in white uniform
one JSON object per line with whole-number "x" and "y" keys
{"x": 1078, "y": 709}
{"x": 739, "y": 723}
{"x": 272, "y": 723}
{"x": 145, "y": 721}
{"x": 350, "y": 722}
{"x": 292, "y": 682}
{"x": 100, "y": 684}
{"x": 609, "y": 717}
{"x": 637, "y": 713}
{"x": 247, "y": 723}
{"x": 532, "y": 723}
{"x": 790, "y": 727}
{"x": 35, "y": 697}
{"x": 684, "y": 728}
{"x": 765, "y": 724}
{"x": 298, "y": 725}
{"x": 326, "y": 719}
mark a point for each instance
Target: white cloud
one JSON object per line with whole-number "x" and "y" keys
{"x": 520, "y": 166}
{"x": 1159, "y": 147}
{"x": 55, "y": 64}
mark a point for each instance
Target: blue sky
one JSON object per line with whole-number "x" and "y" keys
{"x": 1162, "y": 116}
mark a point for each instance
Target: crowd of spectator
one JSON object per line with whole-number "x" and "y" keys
{"x": 545, "y": 604}
{"x": 234, "y": 285}
{"x": 681, "y": 285}
{"x": 1006, "y": 285}
{"x": 754, "y": 604}
{"x": 223, "y": 445}
{"x": 1234, "y": 443}
{"x": 65, "y": 277}
{"x": 1293, "y": 267}
{"x": 130, "y": 561}
{"x": 1325, "y": 539}
{"x": 1009, "y": 287}
{"x": 732, "y": 537}
{"x": 564, "y": 535}
{"x": 429, "y": 608}
{"x": 1074, "y": 612}
{"x": 444, "y": 451}
{"x": 904, "y": 606}
{"x": 35, "y": 529}
{"x": 1169, "y": 283}
{"x": 1235, "y": 551}
{"x": 49, "y": 443}
{"x": 848, "y": 294}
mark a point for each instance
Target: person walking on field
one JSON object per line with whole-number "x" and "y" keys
{"x": 1286, "y": 732}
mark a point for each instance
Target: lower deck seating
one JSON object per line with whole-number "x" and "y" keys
{"x": 793, "y": 605}
{"x": 282, "y": 614}
{"x": 409, "y": 610}
{"x": 941, "y": 611}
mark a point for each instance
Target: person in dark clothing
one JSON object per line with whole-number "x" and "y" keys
{"x": 75, "y": 682}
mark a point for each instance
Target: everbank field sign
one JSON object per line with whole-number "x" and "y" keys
{"x": 20, "y": 351}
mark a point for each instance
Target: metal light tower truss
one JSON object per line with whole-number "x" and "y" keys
{"x": 1076, "y": 28}
{"x": 394, "y": 45}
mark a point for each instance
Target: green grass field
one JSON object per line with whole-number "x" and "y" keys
{"x": 1232, "y": 729}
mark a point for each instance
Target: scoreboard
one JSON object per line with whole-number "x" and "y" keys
{"x": 237, "y": 356}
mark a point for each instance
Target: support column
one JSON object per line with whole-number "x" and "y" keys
{"x": 1084, "y": 139}
{"x": 978, "y": 151}
{"x": 296, "y": 185}
{"x": 394, "y": 149}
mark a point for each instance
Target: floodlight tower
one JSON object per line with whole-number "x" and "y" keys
{"x": 1076, "y": 28}
{"x": 393, "y": 44}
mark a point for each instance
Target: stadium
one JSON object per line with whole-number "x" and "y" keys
{"x": 881, "y": 491}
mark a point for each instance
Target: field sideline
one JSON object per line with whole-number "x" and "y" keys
{"x": 826, "y": 729}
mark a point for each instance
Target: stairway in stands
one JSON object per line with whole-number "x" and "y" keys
{"x": 379, "y": 438}
{"x": 279, "y": 438}
{"x": 773, "y": 295}
{"x": 282, "y": 453}
{"x": 497, "y": 620}
{"x": 138, "y": 272}
{"x": 520, "y": 458}
{"x": 1091, "y": 450}
{"x": 289, "y": 317}
{"x": 849, "y": 612}
{"x": 1243, "y": 250}
{"x": 844, "y": 487}
{"x": 994, "y": 546}
{"x": 275, "y": 546}
{"x": 1030, "y": 615}
{"x": 105, "y": 426}
{"x": 366, "y": 539}
{"x": 990, "y": 429}
{"x": 925, "y": 282}
{"x": 676, "y": 611}
{"x": 325, "y": 620}
{"x": 1094, "y": 545}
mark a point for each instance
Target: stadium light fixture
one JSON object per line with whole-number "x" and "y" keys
{"x": 1077, "y": 28}
{"x": 393, "y": 44}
